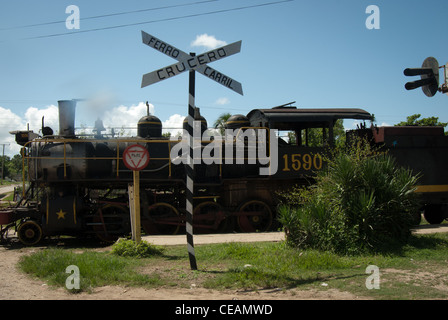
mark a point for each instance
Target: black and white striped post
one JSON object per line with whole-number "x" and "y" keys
{"x": 192, "y": 63}
{"x": 190, "y": 173}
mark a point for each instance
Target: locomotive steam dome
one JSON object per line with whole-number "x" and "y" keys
{"x": 196, "y": 118}
{"x": 237, "y": 121}
{"x": 149, "y": 126}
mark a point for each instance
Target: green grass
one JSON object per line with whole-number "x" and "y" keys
{"x": 416, "y": 271}
{"x": 96, "y": 269}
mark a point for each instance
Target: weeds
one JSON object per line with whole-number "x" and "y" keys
{"x": 129, "y": 248}
{"x": 362, "y": 201}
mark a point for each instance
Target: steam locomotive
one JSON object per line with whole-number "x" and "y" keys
{"x": 77, "y": 185}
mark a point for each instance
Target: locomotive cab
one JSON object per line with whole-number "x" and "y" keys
{"x": 303, "y": 135}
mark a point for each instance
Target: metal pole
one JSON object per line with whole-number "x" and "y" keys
{"x": 190, "y": 174}
{"x": 137, "y": 229}
{"x": 134, "y": 207}
{"x": 131, "y": 209}
{"x": 3, "y": 162}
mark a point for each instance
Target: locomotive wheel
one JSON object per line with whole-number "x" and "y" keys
{"x": 163, "y": 219}
{"x": 211, "y": 216}
{"x": 29, "y": 232}
{"x": 258, "y": 216}
{"x": 434, "y": 214}
{"x": 111, "y": 222}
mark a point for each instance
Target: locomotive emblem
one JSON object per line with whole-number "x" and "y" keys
{"x": 61, "y": 214}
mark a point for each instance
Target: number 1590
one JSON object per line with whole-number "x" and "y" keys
{"x": 299, "y": 161}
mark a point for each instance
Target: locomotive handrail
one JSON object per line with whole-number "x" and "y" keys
{"x": 169, "y": 142}
{"x": 66, "y": 141}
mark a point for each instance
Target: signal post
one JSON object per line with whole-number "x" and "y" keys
{"x": 192, "y": 63}
{"x": 135, "y": 158}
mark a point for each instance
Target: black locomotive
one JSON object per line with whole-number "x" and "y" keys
{"x": 77, "y": 185}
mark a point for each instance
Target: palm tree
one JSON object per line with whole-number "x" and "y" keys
{"x": 221, "y": 121}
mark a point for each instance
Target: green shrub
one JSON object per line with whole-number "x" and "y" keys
{"x": 362, "y": 201}
{"x": 129, "y": 248}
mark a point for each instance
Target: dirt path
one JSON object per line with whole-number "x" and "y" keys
{"x": 431, "y": 228}
{"x": 5, "y": 190}
{"x": 216, "y": 238}
{"x": 255, "y": 237}
{"x": 15, "y": 285}
{"x": 8, "y": 188}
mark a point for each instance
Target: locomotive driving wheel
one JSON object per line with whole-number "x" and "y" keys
{"x": 162, "y": 218}
{"x": 110, "y": 222}
{"x": 253, "y": 216}
{"x": 434, "y": 213}
{"x": 209, "y": 217}
{"x": 29, "y": 232}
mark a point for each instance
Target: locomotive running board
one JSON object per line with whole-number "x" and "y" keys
{"x": 432, "y": 188}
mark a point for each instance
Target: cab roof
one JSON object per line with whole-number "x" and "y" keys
{"x": 286, "y": 116}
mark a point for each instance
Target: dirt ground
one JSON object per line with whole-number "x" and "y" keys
{"x": 15, "y": 285}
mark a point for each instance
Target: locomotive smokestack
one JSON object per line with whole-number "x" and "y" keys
{"x": 67, "y": 117}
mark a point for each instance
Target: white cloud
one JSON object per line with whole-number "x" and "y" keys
{"x": 125, "y": 117}
{"x": 209, "y": 42}
{"x": 222, "y": 101}
{"x": 33, "y": 117}
{"x": 117, "y": 117}
{"x": 9, "y": 121}
{"x": 128, "y": 117}
{"x": 32, "y": 120}
{"x": 173, "y": 124}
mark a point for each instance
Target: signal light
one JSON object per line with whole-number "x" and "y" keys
{"x": 429, "y": 73}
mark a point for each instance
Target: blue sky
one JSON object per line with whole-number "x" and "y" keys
{"x": 317, "y": 53}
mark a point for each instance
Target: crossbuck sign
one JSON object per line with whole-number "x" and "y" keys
{"x": 192, "y": 63}
{"x": 187, "y": 62}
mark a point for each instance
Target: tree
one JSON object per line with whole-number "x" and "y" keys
{"x": 15, "y": 166}
{"x": 315, "y": 135}
{"x": 414, "y": 120}
{"x": 4, "y": 160}
{"x": 12, "y": 168}
{"x": 221, "y": 121}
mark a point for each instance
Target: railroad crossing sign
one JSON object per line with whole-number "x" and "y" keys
{"x": 192, "y": 63}
{"x": 187, "y": 62}
{"x": 136, "y": 157}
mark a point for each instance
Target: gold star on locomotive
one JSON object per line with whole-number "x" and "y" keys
{"x": 61, "y": 214}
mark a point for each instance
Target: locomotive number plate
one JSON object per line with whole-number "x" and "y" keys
{"x": 299, "y": 161}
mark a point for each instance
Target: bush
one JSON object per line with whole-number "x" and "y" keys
{"x": 362, "y": 201}
{"x": 129, "y": 248}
